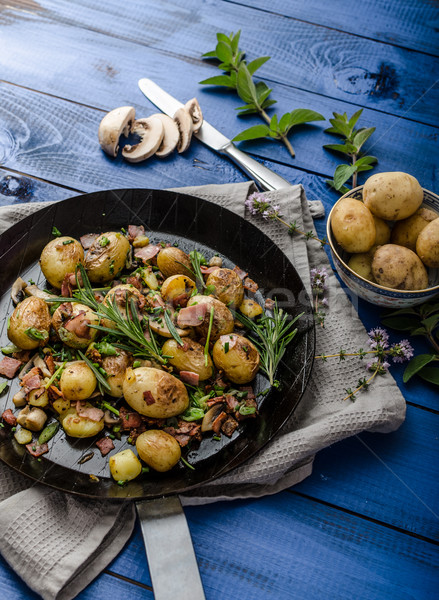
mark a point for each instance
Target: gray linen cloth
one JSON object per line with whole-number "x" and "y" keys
{"x": 71, "y": 540}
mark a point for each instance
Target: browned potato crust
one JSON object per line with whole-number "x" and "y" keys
{"x": 59, "y": 257}
{"x": 228, "y": 286}
{"x": 237, "y": 356}
{"x": 223, "y": 321}
{"x": 173, "y": 261}
{"x": 31, "y": 313}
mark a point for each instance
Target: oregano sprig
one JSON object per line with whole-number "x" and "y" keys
{"x": 256, "y": 95}
{"x": 353, "y": 140}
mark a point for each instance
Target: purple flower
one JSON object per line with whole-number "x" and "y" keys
{"x": 401, "y": 352}
{"x": 324, "y": 302}
{"x": 378, "y": 337}
{"x": 380, "y": 367}
{"x": 318, "y": 279}
{"x": 258, "y": 204}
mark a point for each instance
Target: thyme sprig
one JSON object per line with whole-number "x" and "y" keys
{"x": 271, "y": 334}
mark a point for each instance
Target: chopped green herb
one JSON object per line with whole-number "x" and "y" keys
{"x": 31, "y": 281}
{"x": 67, "y": 242}
{"x": 10, "y": 349}
{"x": 246, "y": 410}
{"x": 226, "y": 347}
{"x": 104, "y": 241}
{"x": 137, "y": 364}
{"x": 209, "y": 331}
{"x": 111, "y": 267}
{"x": 3, "y": 386}
{"x": 216, "y": 437}
{"x": 186, "y": 464}
{"x": 121, "y": 482}
{"x": 145, "y": 470}
{"x": 56, "y": 232}
{"x": 35, "y": 334}
{"x": 48, "y": 433}
{"x": 192, "y": 414}
{"x": 111, "y": 408}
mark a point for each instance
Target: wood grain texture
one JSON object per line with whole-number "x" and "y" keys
{"x": 304, "y": 56}
{"x": 408, "y": 23}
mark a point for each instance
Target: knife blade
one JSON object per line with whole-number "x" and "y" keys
{"x": 266, "y": 178}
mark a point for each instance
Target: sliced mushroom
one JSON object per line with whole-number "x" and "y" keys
{"x": 39, "y": 362}
{"x": 171, "y": 135}
{"x": 111, "y": 419}
{"x": 113, "y": 125}
{"x": 17, "y": 293}
{"x": 210, "y": 416}
{"x": 151, "y": 133}
{"x": 195, "y": 113}
{"x": 33, "y": 290}
{"x": 184, "y": 124}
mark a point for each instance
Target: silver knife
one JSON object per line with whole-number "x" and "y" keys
{"x": 267, "y": 179}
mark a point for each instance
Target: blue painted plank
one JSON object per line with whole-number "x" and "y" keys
{"x": 408, "y": 23}
{"x": 305, "y": 56}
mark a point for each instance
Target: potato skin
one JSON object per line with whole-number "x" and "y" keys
{"x": 405, "y": 233}
{"x": 119, "y": 294}
{"x": 125, "y": 466}
{"x": 353, "y": 225}
{"x": 223, "y": 321}
{"x": 392, "y": 196}
{"x": 177, "y": 289}
{"x": 382, "y": 232}
{"x": 31, "y": 312}
{"x": 189, "y": 359}
{"x": 228, "y": 286}
{"x": 427, "y": 244}
{"x": 158, "y": 449}
{"x": 105, "y": 259}
{"x": 77, "y": 381}
{"x": 362, "y": 264}
{"x": 70, "y": 338}
{"x": 80, "y": 427}
{"x": 241, "y": 362}
{"x": 116, "y": 366}
{"x": 59, "y": 257}
{"x": 169, "y": 393}
{"x": 173, "y": 261}
{"x": 399, "y": 268}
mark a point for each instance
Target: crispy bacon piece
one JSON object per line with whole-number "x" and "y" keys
{"x": 191, "y": 315}
{"x": 105, "y": 445}
{"x": 190, "y": 377}
{"x": 216, "y": 425}
{"x": 229, "y": 339}
{"x": 207, "y": 270}
{"x": 185, "y": 432}
{"x": 269, "y": 304}
{"x": 32, "y": 380}
{"x": 229, "y": 426}
{"x": 79, "y": 325}
{"x": 55, "y": 393}
{"x": 130, "y": 419}
{"x": 9, "y": 418}
{"x": 231, "y": 402}
{"x": 50, "y": 363}
{"x": 66, "y": 287}
{"x": 91, "y": 412}
{"x": 242, "y": 274}
{"x": 250, "y": 285}
{"x": 23, "y": 356}
{"x": 135, "y": 231}
{"x": 135, "y": 281}
{"x": 9, "y": 367}
{"x": 180, "y": 300}
{"x": 37, "y": 450}
{"x": 88, "y": 239}
{"x": 216, "y": 400}
{"x": 147, "y": 252}
{"x": 149, "y": 398}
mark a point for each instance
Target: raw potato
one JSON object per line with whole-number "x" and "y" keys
{"x": 223, "y": 322}
{"x": 237, "y": 356}
{"x": 427, "y": 244}
{"x": 59, "y": 257}
{"x": 177, "y": 289}
{"x": 116, "y": 367}
{"x": 154, "y": 393}
{"x": 405, "y": 233}
{"x": 80, "y": 427}
{"x": 362, "y": 265}
{"x": 61, "y": 323}
{"x": 353, "y": 226}
{"x": 399, "y": 268}
{"x": 106, "y": 257}
{"x": 77, "y": 381}
{"x": 191, "y": 358}
{"x": 158, "y": 449}
{"x": 382, "y": 232}
{"x": 31, "y": 313}
{"x": 173, "y": 261}
{"x": 228, "y": 286}
{"x": 125, "y": 466}
{"x": 392, "y": 196}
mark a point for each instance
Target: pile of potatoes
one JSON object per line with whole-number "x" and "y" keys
{"x": 390, "y": 237}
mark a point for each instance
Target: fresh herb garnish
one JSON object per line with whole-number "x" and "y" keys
{"x": 67, "y": 242}
{"x": 171, "y": 327}
{"x": 36, "y": 334}
{"x": 56, "y": 232}
{"x": 102, "y": 382}
{"x": 209, "y": 331}
{"x": 104, "y": 241}
{"x": 186, "y": 464}
{"x": 56, "y": 375}
{"x": 3, "y": 386}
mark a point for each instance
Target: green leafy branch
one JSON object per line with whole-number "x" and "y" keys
{"x": 352, "y": 142}
{"x": 256, "y": 95}
{"x": 420, "y": 320}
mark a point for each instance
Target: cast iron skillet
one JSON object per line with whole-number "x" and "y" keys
{"x": 190, "y": 222}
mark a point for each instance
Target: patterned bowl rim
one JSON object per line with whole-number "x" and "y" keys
{"x": 332, "y": 246}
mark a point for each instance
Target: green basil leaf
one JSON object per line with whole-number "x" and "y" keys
{"x": 223, "y": 80}
{"x": 252, "y": 133}
{"x": 262, "y": 91}
{"x": 342, "y": 174}
{"x": 274, "y": 125}
{"x": 249, "y": 109}
{"x": 222, "y": 37}
{"x": 366, "y": 160}
{"x": 234, "y": 41}
{"x": 245, "y": 86}
{"x": 211, "y": 54}
{"x": 268, "y": 103}
{"x": 430, "y": 374}
{"x": 256, "y": 64}
{"x": 416, "y": 364}
{"x": 344, "y": 148}
{"x": 304, "y": 115}
{"x": 353, "y": 120}
{"x": 362, "y": 136}
{"x": 224, "y": 52}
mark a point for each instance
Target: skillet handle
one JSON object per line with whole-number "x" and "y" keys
{"x": 171, "y": 557}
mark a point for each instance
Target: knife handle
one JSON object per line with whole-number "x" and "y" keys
{"x": 266, "y": 178}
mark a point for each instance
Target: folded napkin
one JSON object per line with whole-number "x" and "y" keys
{"x": 71, "y": 540}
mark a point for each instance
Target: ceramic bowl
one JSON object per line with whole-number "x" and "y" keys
{"x": 372, "y": 292}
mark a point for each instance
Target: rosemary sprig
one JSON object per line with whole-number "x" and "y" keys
{"x": 209, "y": 331}
{"x": 172, "y": 330}
{"x": 271, "y": 334}
{"x": 103, "y": 383}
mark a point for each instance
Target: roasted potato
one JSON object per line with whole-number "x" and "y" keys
{"x": 362, "y": 264}
{"x": 158, "y": 449}
{"x": 177, "y": 289}
{"x": 38, "y": 397}
{"x": 427, "y": 244}
{"x": 125, "y": 466}
{"x": 405, "y": 233}
{"x": 228, "y": 287}
{"x": 223, "y": 321}
{"x": 237, "y": 356}
{"x": 399, "y": 268}
{"x": 173, "y": 261}
{"x": 116, "y": 366}
{"x": 392, "y": 196}
{"x": 59, "y": 257}
{"x": 77, "y": 382}
{"x": 106, "y": 257}
{"x": 154, "y": 393}
{"x": 121, "y": 295}
{"x": 353, "y": 225}
{"x": 190, "y": 357}
{"x": 71, "y": 321}
{"x": 250, "y": 308}
{"x": 80, "y": 427}
{"x": 29, "y": 324}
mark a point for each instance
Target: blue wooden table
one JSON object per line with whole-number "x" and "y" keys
{"x": 365, "y": 524}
